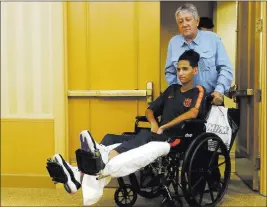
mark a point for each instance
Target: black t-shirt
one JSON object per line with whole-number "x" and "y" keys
{"x": 172, "y": 103}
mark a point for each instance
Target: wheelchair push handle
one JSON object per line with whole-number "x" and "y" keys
{"x": 209, "y": 99}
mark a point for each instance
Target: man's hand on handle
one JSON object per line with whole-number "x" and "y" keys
{"x": 217, "y": 98}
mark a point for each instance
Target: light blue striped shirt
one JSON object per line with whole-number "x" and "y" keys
{"x": 215, "y": 70}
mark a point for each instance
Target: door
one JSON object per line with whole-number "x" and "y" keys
{"x": 247, "y": 77}
{"x": 110, "y": 46}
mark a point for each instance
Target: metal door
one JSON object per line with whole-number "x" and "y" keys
{"x": 112, "y": 54}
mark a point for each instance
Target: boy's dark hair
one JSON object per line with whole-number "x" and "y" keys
{"x": 205, "y": 22}
{"x": 191, "y": 56}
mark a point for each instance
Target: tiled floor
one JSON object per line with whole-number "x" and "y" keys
{"x": 238, "y": 194}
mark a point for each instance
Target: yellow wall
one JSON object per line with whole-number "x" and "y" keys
{"x": 225, "y": 26}
{"x": 25, "y": 146}
{"x": 119, "y": 54}
{"x": 32, "y": 90}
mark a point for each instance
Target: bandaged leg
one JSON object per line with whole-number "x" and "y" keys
{"x": 122, "y": 165}
{"x": 92, "y": 188}
{"x": 132, "y": 160}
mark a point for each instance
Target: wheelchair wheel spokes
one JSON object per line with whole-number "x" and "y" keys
{"x": 210, "y": 191}
{"x": 213, "y": 157}
{"x": 206, "y": 174}
{"x": 198, "y": 182}
{"x": 125, "y": 197}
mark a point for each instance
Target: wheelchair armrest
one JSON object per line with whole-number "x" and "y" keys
{"x": 141, "y": 118}
{"x": 193, "y": 125}
{"x": 194, "y": 121}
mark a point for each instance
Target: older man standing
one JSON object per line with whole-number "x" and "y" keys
{"x": 215, "y": 70}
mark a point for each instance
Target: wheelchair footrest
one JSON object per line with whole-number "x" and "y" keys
{"x": 56, "y": 172}
{"x": 89, "y": 163}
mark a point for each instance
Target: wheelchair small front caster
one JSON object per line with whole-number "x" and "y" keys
{"x": 125, "y": 197}
{"x": 175, "y": 202}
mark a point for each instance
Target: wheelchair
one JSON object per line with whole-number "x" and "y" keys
{"x": 192, "y": 170}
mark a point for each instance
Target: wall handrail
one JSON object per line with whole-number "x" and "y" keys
{"x": 148, "y": 93}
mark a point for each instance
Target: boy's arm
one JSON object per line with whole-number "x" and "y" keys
{"x": 191, "y": 114}
{"x": 150, "y": 117}
{"x": 155, "y": 110}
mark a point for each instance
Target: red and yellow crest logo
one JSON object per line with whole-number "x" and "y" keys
{"x": 187, "y": 102}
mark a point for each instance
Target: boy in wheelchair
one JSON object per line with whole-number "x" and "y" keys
{"x": 175, "y": 105}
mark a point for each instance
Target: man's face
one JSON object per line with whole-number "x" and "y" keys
{"x": 185, "y": 72}
{"x": 187, "y": 25}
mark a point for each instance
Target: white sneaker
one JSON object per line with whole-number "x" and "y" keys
{"x": 104, "y": 151}
{"x": 72, "y": 173}
{"x": 87, "y": 142}
{"x": 90, "y": 145}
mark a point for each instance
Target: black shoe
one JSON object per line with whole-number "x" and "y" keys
{"x": 62, "y": 172}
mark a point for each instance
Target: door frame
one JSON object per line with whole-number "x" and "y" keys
{"x": 252, "y": 10}
{"x": 263, "y": 105}
{"x": 61, "y": 118}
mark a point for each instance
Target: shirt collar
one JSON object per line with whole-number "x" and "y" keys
{"x": 196, "y": 40}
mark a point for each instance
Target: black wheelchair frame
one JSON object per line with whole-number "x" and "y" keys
{"x": 183, "y": 168}
{"x": 179, "y": 170}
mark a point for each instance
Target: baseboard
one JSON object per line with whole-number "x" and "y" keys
{"x": 26, "y": 181}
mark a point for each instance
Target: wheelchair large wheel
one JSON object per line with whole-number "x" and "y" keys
{"x": 125, "y": 197}
{"x": 206, "y": 171}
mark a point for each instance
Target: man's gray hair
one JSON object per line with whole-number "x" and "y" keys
{"x": 187, "y": 8}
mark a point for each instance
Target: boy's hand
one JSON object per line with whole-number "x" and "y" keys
{"x": 154, "y": 127}
{"x": 160, "y": 130}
